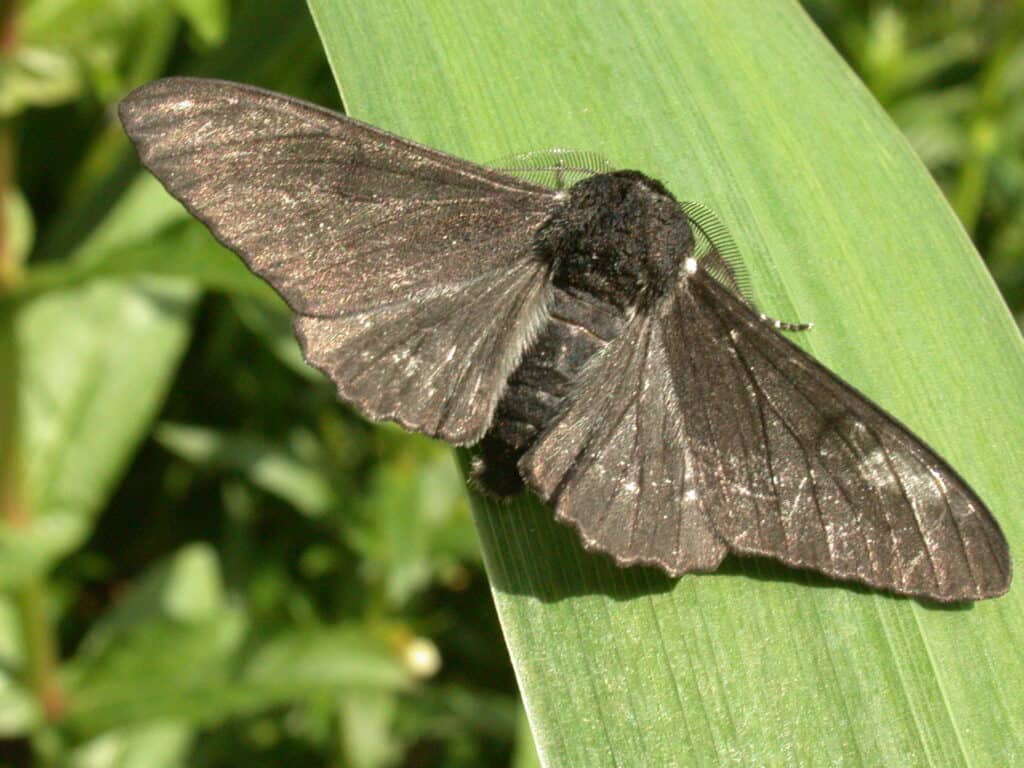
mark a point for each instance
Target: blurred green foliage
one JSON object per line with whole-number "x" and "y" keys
{"x": 951, "y": 75}
{"x": 204, "y": 559}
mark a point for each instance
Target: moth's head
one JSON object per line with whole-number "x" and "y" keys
{"x": 620, "y": 236}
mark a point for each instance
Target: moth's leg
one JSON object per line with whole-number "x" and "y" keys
{"x": 495, "y": 469}
{"x": 494, "y": 481}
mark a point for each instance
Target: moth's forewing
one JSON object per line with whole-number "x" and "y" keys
{"x": 410, "y": 270}
{"x": 812, "y": 473}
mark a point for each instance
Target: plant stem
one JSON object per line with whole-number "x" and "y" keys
{"x": 41, "y": 645}
{"x": 32, "y": 600}
{"x": 7, "y": 29}
{"x": 9, "y": 268}
{"x": 11, "y": 505}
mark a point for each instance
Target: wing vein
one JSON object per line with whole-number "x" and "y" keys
{"x": 584, "y": 460}
{"x": 857, "y": 462}
{"x": 637, "y": 432}
{"x": 805, "y": 453}
{"x": 738, "y": 412}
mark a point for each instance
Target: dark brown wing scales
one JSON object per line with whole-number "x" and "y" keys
{"x": 357, "y": 229}
{"x": 808, "y": 471}
{"x": 618, "y": 463}
{"x": 308, "y": 197}
{"x": 418, "y": 361}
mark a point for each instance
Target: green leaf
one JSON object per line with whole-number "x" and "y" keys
{"x": 366, "y": 728}
{"x": 152, "y": 657}
{"x": 62, "y": 46}
{"x": 209, "y": 18}
{"x": 148, "y": 233}
{"x": 185, "y": 589}
{"x": 412, "y": 524}
{"x": 28, "y": 548}
{"x": 744, "y": 107}
{"x": 19, "y": 225}
{"x": 174, "y": 649}
{"x": 301, "y": 480}
{"x": 316, "y": 660}
{"x": 272, "y": 323}
{"x": 20, "y": 711}
{"x": 525, "y": 754}
{"x": 159, "y": 744}
{"x": 95, "y": 363}
{"x": 37, "y": 77}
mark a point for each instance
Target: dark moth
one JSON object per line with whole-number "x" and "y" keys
{"x": 584, "y": 338}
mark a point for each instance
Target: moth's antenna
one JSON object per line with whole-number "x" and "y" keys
{"x": 782, "y": 325}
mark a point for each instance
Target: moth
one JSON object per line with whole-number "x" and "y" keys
{"x": 593, "y": 341}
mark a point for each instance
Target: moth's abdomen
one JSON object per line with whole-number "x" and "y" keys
{"x": 579, "y": 326}
{"x": 614, "y": 245}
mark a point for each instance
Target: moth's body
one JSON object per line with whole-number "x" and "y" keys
{"x": 614, "y": 246}
{"x": 577, "y": 328}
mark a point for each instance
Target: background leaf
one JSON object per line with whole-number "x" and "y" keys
{"x": 747, "y": 109}
{"x": 154, "y": 745}
{"x": 89, "y": 390}
{"x": 172, "y": 651}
